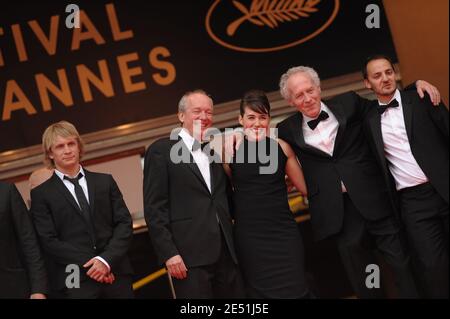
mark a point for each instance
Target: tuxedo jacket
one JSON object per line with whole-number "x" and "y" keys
{"x": 65, "y": 235}
{"x": 427, "y": 128}
{"x": 183, "y": 217}
{"x": 22, "y": 267}
{"x": 352, "y": 162}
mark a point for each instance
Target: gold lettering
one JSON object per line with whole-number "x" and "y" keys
{"x": 103, "y": 83}
{"x": 162, "y": 65}
{"x": 13, "y": 89}
{"x": 18, "y": 40}
{"x": 62, "y": 93}
{"x": 114, "y": 23}
{"x": 91, "y": 33}
{"x": 126, "y": 73}
{"x": 49, "y": 43}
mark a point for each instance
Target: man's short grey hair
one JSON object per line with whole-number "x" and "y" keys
{"x": 294, "y": 70}
{"x": 182, "y": 105}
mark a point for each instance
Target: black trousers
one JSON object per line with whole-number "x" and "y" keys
{"x": 121, "y": 288}
{"x": 219, "y": 280}
{"x": 356, "y": 242}
{"x": 425, "y": 216}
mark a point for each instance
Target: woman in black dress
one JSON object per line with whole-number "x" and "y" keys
{"x": 267, "y": 239}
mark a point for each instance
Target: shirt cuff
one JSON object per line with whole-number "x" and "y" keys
{"x": 103, "y": 261}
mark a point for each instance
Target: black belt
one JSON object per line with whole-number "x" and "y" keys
{"x": 419, "y": 187}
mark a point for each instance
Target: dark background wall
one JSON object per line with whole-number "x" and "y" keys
{"x": 420, "y": 32}
{"x": 132, "y": 60}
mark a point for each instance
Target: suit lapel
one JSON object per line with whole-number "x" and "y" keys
{"x": 407, "y": 114}
{"x": 215, "y": 168}
{"x": 336, "y": 109}
{"x": 193, "y": 165}
{"x": 62, "y": 189}
{"x": 213, "y": 173}
{"x": 296, "y": 128}
{"x": 90, "y": 180}
{"x": 377, "y": 136}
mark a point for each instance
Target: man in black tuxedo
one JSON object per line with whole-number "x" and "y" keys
{"x": 348, "y": 198}
{"x": 22, "y": 268}
{"x": 82, "y": 222}
{"x": 410, "y": 138}
{"x": 187, "y": 209}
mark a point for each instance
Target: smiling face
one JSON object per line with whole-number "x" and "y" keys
{"x": 255, "y": 124}
{"x": 65, "y": 153}
{"x": 304, "y": 94}
{"x": 198, "y": 115}
{"x": 381, "y": 79}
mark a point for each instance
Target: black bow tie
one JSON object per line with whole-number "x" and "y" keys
{"x": 383, "y": 108}
{"x": 322, "y": 116}
{"x": 197, "y": 145}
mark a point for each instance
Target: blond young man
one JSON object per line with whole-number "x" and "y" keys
{"x": 82, "y": 222}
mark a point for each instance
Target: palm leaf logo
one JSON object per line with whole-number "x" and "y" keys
{"x": 272, "y": 12}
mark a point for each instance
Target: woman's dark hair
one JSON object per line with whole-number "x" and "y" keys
{"x": 255, "y": 100}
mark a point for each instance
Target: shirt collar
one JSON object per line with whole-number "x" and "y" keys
{"x": 323, "y": 107}
{"x": 61, "y": 175}
{"x": 396, "y": 96}
{"x": 187, "y": 138}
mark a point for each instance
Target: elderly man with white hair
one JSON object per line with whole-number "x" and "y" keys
{"x": 348, "y": 197}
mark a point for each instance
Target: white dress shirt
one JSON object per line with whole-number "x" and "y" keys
{"x": 200, "y": 158}
{"x": 71, "y": 187}
{"x": 323, "y": 136}
{"x": 402, "y": 164}
{"x": 84, "y": 186}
